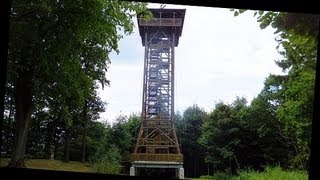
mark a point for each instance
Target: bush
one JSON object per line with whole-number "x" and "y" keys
{"x": 104, "y": 166}
{"x": 108, "y": 161}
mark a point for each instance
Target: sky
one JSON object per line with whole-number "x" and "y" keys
{"x": 218, "y": 58}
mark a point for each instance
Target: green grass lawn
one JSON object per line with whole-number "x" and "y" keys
{"x": 274, "y": 173}
{"x": 54, "y": 165}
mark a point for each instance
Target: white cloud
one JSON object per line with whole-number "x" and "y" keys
{"x": 219, "y": 57}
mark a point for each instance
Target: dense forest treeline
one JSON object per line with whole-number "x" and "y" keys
{"x": 58, "y": 57}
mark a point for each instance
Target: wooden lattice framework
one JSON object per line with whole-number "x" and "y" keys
{"x": 157, "y": 139}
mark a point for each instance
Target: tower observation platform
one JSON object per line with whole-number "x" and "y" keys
{"x": 157, "y": 143}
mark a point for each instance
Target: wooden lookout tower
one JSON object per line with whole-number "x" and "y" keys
{"x": 157, "y": 144}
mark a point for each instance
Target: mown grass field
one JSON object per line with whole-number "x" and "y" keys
{"x": 54, "y": 165}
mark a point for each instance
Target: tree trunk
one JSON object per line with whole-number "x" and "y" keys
{"x": 52, "y": 152}
{"x": 83, "y": 148}
{"x": 67, "y": 145}
{"x": 84, "y": 126}
{"x": 195, "y": 167}
{"x": 51, "y": 130}
{"x": 48, "y": 140}
{"x": 9, "y": 138}
{"x": 23, "y": 103}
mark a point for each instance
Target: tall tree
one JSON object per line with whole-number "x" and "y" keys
{"x": 261, "y": 133}
{"x": 46, "y": 42}
{"x": 230, "y": 139}
{"x": 293, "y": 92}
{"x": 133, "y": 124}
{"x": 297, "y": 37}
{"x": 121, "y": 136}
{"x": 220, "y": 136}
{"x": 189, "y": 133}
{"x": 90, "y": 112}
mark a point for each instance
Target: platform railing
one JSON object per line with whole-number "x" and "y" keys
{"x": 161, "y": 22}
{"x": 156, "y": 157}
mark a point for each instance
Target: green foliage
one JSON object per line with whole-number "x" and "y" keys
{"x": 237, "y": 11}
{"x": 239, "y": 136}
{"x": 297, "y": 35}
{"x": 133, "y": 126}
{"x": 218, "y": 176}
{"x": 267, "y": 131}
{"x": 120, "y": 134}
{"x": 275, "y": 173}
{"x": 63, "y": 48}
{"x": 188, "y": 130}
{"x": 292, "y": 93}
{"x": 108, "y": 161}
{"x": 98, "y": 138}
{"x": 105, "y": 157}
{"x": 220, "y": 135}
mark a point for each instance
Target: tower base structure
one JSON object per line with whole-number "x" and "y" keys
{"x": 137, "y": 166}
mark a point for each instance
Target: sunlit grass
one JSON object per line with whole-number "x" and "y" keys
{"x": 54, "y": 165}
